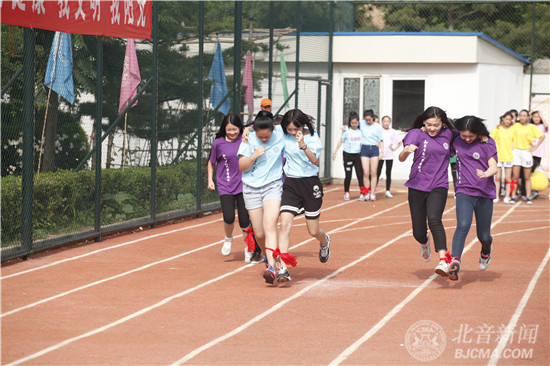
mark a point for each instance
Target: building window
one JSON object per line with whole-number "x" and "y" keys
{"x": 371, "y": 95}
{"x": 408, "y": 102}
{"x": 351, "y": 97}
{"x": 367, "y": 88}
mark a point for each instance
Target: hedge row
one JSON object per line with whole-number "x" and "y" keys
{"x": 63, "y": 201}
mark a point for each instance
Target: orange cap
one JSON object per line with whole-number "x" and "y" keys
{"x": 266, "y": 102}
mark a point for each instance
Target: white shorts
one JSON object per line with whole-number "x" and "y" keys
{"x": 505, "y": 164}
{"x": 254, "y": 197}
{"x": 523, "y": 158}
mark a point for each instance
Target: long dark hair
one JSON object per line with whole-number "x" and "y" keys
{"x": 352, "y": 115}
{"x": 263, "y": 121}
{"x": 431, "y": 112}
{"x": 232, "y": 118}
{"x": 473, "y": 124}
{"x": 299, "y": 118}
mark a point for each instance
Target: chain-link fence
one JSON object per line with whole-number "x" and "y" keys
{"x": 147, "y": 171}
{"x": 152, "y": 161}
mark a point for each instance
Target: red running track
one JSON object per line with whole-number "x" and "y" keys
{"x": 167, "y": 296}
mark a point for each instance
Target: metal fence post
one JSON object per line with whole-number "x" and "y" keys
{"x": 297, "y": 66}
{"x": 154, "y": 98}
{"x": 28, "y": 135}
{"x": 328, "y": 122}
{"x": 270, "y": 80}
{"x": 199, "y": 105}
{"x": 98, "y": 118}
{"x": 532, "y": 58}
{"x": 237, "y": 57}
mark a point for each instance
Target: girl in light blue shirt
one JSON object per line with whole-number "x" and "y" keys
{"x": 302, "y": 189}
{"x": 260, "y": 161}
{"x": 372, "y": 147}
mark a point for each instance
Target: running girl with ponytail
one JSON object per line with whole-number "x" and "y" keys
{"x": 261, "y": 162}
{"x": 476, "y": 163}
{"x": 429, "y": 140}
{"x": 302, "y": 189}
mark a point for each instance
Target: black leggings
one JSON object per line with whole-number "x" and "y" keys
{"x": 352, "y": 161}
{"x": 228, "y": 202}
{"x": 428, "y": 205}
{"x": 389, "y": 165}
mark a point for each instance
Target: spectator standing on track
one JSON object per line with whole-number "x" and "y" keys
{"x": 540, "y": 152}
{"x": 428, "y": 181}
{"x": 503, "y": 136}
{"x": 261, "y": 162}
{"x": 351, "y": 139}
{"x": 475, "y": 189}
{"x": 230, "y": 187}
{"x": 524, "y": 134}
{"x": 302, "y": 190}
{"x": 372, "y": 149}
{"x": 391, "y": 144}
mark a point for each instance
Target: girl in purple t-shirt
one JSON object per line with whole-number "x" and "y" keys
{"x": 476, "y": 164}
{"x": 230, "y": 185}
{"x": 429, "y": 139}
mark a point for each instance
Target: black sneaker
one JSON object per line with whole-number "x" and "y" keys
{"x": 454, "y": 268}
{"x": 256, "y": 257}
{"x": 324, "y": 252}
{"x": 283, "y": 275}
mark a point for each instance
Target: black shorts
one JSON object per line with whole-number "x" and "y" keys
{"x": 302, "y": 195}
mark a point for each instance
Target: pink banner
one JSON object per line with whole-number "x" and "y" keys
{"x": 124, "y": 19}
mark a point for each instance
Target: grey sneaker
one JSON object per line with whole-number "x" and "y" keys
{"x": 425, "y": 251}
{"x": 283, "y": 275}
{"x": 484, "y": 260}
{"x": 324, "y": 252}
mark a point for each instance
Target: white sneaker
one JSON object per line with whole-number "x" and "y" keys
{"x": 425, "y": 251}
{"x": 442, "y": 268}
{"x": 362, "y": 197}
{"x": 346, "y": 196}
{"x": 484, "y": 261}
{"x": 388, "y": 194}
{"x": 226, "y": 247}
{"x": 372, "y": 197}
{"x": 496, "y": 200}
{"x": 247, "y": 255}
{"x": 506, "y": 200}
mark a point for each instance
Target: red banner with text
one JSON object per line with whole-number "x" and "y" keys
{"x": 124, "y": 19}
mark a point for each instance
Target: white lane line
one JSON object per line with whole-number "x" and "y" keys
{"x": 509, "y": 331}
{"x": 108, "y": 248}
{"x": 355, "y": 346}
{"x": 133, "y": 242}
{"x": 83, "y": 287}
{"x": 76, "y": 289}
{"x": 280, "y": 304}
{"x": 163, "y": 302}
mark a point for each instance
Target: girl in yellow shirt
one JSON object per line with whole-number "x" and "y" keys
{"x": 503, "y": 136}
{"x": 524, "y": 134}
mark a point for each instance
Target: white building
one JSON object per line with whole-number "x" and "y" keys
{"x": 401, "y": 74}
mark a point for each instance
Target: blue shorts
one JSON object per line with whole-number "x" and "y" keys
{"x": 254, "y": 197}
{"x": 370, "y": 151}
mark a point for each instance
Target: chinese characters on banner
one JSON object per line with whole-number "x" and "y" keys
{"x": 123, "y": 19}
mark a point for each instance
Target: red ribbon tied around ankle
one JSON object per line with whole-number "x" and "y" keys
{"x": 249, "y": 239}
{"x": 364, "y": 190}
{"x": 448, "y": 257}
{"x": 285, "y": 257}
